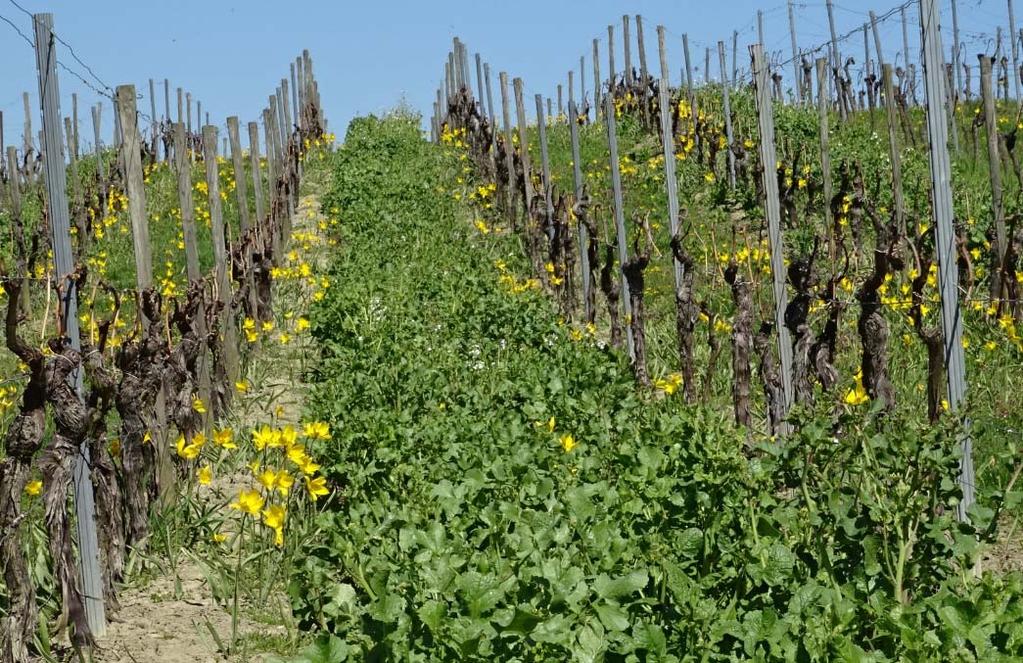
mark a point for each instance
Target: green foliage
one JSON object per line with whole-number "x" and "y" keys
{"x": 466, "y": 531}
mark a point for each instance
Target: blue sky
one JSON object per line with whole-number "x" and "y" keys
{"x": 369, "y": 56}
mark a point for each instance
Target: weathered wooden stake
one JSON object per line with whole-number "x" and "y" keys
{"x": 641, "y": 45}
{"x": 690, "y": 85}
{"x": 75, "y": 145}
{"x": 479, "y": 85}
{"x": 509, "y": 150}
{"x": 670, "y": 180}
{"x": 822, "y": 122}
{"x": 228, "y": 323}
{"x": 490, "y": 97}
{"x": 582, "y": 78}
{"x": 183, "y": 171}
{"x": 768, "y": 157}
{"x": 63, "y": 267}
{"x": 597, "y": 87}
{"x": 619, "y": 212}
{"x": 240, "y": 185}
{"x": 584, "y": 240}
{"x": 795, "y": 57}
{"x": 611, "y": 59}
{"x": 257, "y": 181}
{"x": 995, "y": 169}
{"x": 545, "y": 164}
{"x": 728, "y": 114}
{"x": 836, "y": 59}
{"x": 27, "y": 136}
{"x": 956, "y": 65}
{"x": 892, "y": 113}
{"x": 1015, "y": 50}
{"x": 626, "y": 44}
{"x": 662, "y": 52}
{"x": 945, "y": 243}
{"x": 735, "y": 57}
{"x": 520, "y": 116}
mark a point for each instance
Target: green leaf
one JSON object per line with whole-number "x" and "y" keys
{"x": 612, "y": 617}
{"x": 432, "y": 613}
{"x": 620, "y": 587}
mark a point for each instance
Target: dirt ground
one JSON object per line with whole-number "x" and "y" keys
{"x": 154, "y": 626}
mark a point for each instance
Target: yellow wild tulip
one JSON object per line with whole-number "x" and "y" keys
{"x": 248, "y": 501}
{"x": 316, "y": 487}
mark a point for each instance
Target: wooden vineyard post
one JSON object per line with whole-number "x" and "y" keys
{"x": 479, "y": 85}
{"x": 271, "y": 179}
{"x": 571, "y": 85}
{"x": 490, "y": 98}
{"x": 561, "y": 103}
{"x": 611, "y": 59}
{"x": 670, "y": 180}
{"x": 690, "y": 86}
{"x": 509, "y": 156}
{"x": 13, "y": 180}
{"x": 182, "y": 168}
{"x": 582, "y": 79}
{"x": 301, "y": 86}
{"x": 597, "y": 87}
{"x": 760, "y": 28}
{"x": 662, "y": 52}
{"x": 241, "y": 188}
{"x": 64, "y": 266}
{"x": 628, "y": 50}
{"x": 643, "y": 73}
{"x": 152, "y": 118}
{"x": 244, "y": 224}
{"x": 735, "y": 57}
{"x": 257, "y": 181}
{"x": 584, "y": 240}
{"x": 877, "y": 41}
{"x": 1013, "y": 37}
{"x": 76, "y": 197}
{"x": 892, "y": 115}
{"x": 97, "y": 141}
{"x": 131, "y": 158}
{"x": 768, "y": 157}
{"x": 545, "y": 164}
{"x": 228, "y": 325}
{"x": 836, "y": 60}
{"x": 280, "y": 123}
{"x": 12, "y": 170}
{"x": 188, "y": 111}
{"x": 74, "y": 125}
{"x": 448, "y": 84}
{"x": 27, "y": 136}
{"x": 822, "y": 121}
{"x": 995, "y": 168}
{"x": 285, "y": 97}
{"x": 619, "y": 212}
{"x": 294, "y": 95}
{"x": 945, "y": 242}
{"x": 795, "y": 56}
{"x": 728, "y": 114}
{"x": 641, "y": 45}
{"x": 520, "y": 116}
{"x": 279, "y": 173}
{"x": 956, "y": 65}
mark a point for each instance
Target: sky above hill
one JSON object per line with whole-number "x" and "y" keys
{"x": 371, "y": 56}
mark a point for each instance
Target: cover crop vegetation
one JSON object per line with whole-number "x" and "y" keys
{"x": 508, "y": 493}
